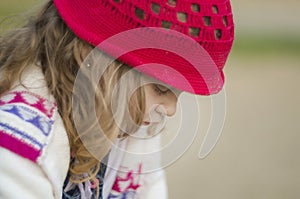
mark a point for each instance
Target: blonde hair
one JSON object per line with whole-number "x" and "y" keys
{"x": 46, "y": 41}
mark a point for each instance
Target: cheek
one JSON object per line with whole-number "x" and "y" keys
{"x": 150, "y": 103}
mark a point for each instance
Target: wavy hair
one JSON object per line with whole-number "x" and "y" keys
{"x": 46, "y": 41}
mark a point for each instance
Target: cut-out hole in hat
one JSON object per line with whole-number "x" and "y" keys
{"x": 171, "y": 3}
{"x": 225, "y": 21}
{"x": 194, "y": 32}
{"x": 218, "y": 34}
{"x": 182, "y": 17}
{"x": 155, "y": 8}
{"x": 195, "y": 7}
{"x": 166, "y": 24}
{"x": 215, "y": 9}
{"x": 207, "y": 20}
{"x": 139, "y": 13}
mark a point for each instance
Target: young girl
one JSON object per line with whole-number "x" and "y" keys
{"x": 70, "y": 111}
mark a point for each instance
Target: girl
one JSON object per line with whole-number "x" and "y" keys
{"x": 63, "y": 102}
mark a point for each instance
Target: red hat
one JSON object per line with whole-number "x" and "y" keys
{"x": 183, "y": 43}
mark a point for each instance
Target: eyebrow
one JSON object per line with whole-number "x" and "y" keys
{"x": 162, "y": 87}
{"x": 172, "y": 89}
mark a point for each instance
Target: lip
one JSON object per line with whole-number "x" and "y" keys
{"x": 146, "y": 123}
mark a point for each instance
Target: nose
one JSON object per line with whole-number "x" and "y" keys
{"x": 171, "y": 109}
{"x": 169, "y": 105}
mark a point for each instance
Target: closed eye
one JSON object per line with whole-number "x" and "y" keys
{"x": 159, "y": 89}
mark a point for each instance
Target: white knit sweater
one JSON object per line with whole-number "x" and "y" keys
{"x": 35, "y": 152}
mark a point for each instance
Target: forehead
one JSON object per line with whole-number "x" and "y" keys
{"x": 149, "y": 80}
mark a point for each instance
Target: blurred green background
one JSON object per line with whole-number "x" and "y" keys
{"x": 257, "y": 156}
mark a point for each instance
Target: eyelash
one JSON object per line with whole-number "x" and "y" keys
{"x": 159, "y": 91}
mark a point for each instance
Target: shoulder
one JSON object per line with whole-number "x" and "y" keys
{"x": 32, "y": 131}
{"x": 31, "y": 128}
{"x": 26, "y": 122}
